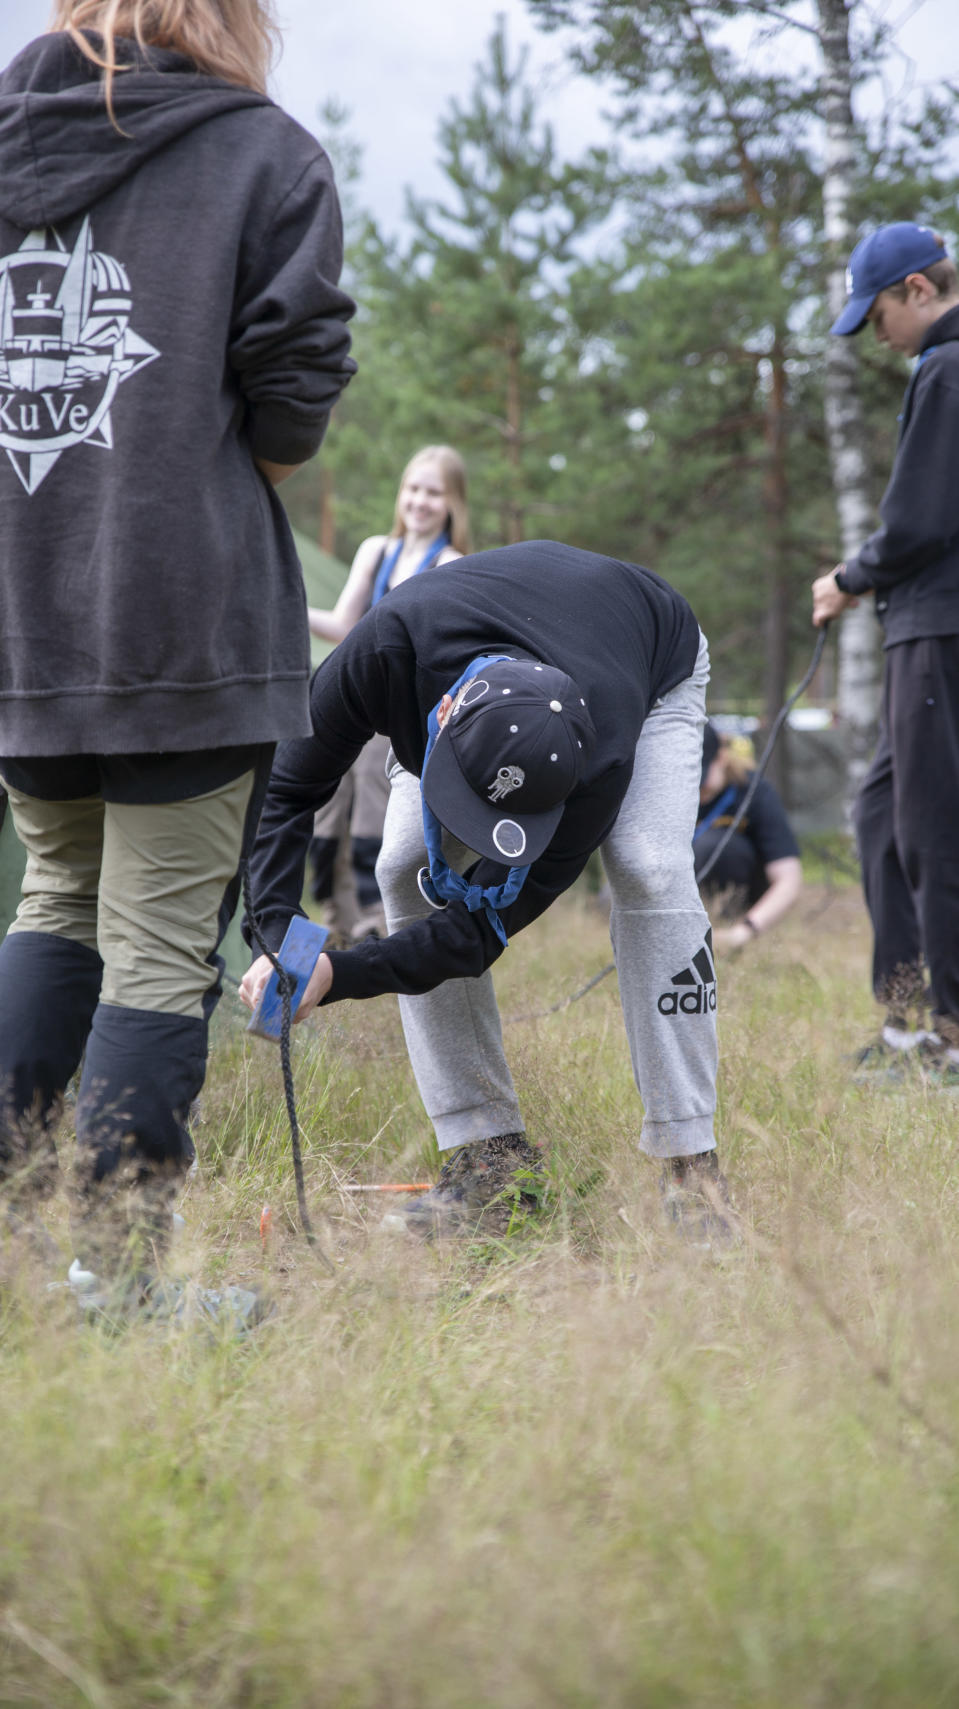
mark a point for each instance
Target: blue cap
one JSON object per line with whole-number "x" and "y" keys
{"x": 882, "y": 259}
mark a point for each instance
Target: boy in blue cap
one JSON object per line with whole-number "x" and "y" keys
{"x": 901, "y": 280}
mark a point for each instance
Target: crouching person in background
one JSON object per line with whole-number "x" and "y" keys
{"x": 755, "y": 875}
{"x": 541, "y": 702}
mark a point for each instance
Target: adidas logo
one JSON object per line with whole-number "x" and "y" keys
{"x": 694, "y": 990}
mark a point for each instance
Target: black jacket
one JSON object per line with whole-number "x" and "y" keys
{"x": 168, "y": 309}
{"x": 912, "y": 561}
{"x": 624, "y": 637}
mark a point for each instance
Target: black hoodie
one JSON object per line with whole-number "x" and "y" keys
{"x": 626, "y": 639}
{"x": 912, "y": 561}
{"x": 168, "y": 311}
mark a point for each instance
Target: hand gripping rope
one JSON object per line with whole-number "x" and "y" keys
{"x": 765, "y": 757}
{"x": 287, "y": 986}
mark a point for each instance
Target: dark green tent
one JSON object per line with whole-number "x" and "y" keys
{"x": 324, "y": 577}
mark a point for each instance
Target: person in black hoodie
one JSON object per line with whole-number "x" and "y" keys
{"x": 172, "y": 340}
{"x": 901, "y": 280}
{"x": 541, "y": 702}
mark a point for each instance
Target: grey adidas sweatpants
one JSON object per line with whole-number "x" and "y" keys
{"x": 659, "y": 931}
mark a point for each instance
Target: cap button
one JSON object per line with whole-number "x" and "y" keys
{"x": 556, "y": 706}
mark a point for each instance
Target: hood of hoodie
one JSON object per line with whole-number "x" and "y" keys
{"x": 59, "y": 150}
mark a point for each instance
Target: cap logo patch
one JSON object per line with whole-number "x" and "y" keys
{"x": 510, "y": 839}
{"x": 849, "y": 283}
{"x": 473, "y": 691}
{"x": 508, "y": 778}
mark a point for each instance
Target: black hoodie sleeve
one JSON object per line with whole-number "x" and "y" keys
{"x": 346, "y": 709}
{"x": 289, "y": 345}
{"x": 920, "y": 508}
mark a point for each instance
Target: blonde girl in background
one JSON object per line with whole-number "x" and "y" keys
{"x": 430, "y": 528}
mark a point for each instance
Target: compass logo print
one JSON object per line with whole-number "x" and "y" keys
{"x": 66, "y": 344}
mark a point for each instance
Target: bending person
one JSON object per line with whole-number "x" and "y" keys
{"x": 541, "y": 703}
{"x": 178, "y": 245}
{"x": 430, "y": 528}
{"x": 758, "y": 875}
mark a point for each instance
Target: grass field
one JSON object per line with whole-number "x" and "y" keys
{"x": 587, "y": 1466}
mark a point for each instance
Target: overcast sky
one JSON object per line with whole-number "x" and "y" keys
{"x": 395, "y": 64}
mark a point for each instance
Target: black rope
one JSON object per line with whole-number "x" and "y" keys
{"x": 765, "y": 757}
{"x": 286, "y": 985}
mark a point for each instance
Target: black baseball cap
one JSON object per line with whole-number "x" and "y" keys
{"x": 507, "y": 758}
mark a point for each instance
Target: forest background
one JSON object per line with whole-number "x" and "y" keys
{"x": 631, "y": 347}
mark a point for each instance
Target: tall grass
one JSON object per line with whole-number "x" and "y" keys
{"x": 585, "y": 1466}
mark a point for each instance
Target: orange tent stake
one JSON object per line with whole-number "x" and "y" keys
{"x": 391, "y": 1187}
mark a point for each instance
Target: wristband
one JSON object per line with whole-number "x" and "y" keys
{"x": 750, "y": 925}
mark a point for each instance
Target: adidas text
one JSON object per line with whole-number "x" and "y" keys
{"x": 697, "y": 1002}
{"x": 694, "y": 987}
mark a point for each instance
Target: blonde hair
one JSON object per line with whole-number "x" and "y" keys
{"x": 232, "y": 39}
{"x": 453, "y": 471}
{"x": 738, "y": 759}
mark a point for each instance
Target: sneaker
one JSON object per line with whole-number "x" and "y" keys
{"x": 889, "y": 1057}
{"x": 485, "y": 1186}
{"x": 175, "y": 1304}
{"x": 924, "y": 1058}
{"x": 696, "y": 1198}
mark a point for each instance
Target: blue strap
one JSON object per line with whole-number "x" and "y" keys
{"x": 438, "y": 883}
{"x": 390, "y": 559}
{"x": 722, "y": 804}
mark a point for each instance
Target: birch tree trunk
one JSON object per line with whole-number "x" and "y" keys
{"x": 860, "y": 665}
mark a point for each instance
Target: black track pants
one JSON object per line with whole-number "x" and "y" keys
{"x": 907, "y": 821}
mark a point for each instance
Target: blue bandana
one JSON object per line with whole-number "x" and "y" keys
{"x": 390, "y": 559}
{"x": 438, "y": 883}
{"x": 721, "y": 805}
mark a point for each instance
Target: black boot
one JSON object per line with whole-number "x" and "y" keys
{"x": 49, "y": 987}
{"x": 696, "y": 1199}
{"x": 141, "y": 1072}
{"x": 484, "y": 1186}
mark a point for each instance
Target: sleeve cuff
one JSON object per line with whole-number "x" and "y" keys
{"x": 348, "y": 978}
{"x": 279, "y": 439}
{"x": 272, "y": 929}
{"x": 851, "y": 579}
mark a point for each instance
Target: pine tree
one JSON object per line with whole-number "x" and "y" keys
{"x": 462, "y": 334}
{"x": 728, "y": 234}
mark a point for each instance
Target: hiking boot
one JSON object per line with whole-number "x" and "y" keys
{"x": 486, "y": 1186}
{"x": 173, "y": 1304}
{"x": 696, "y": 1199}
